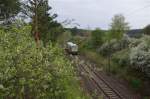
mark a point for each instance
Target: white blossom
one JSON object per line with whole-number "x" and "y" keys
{"x": 140, "y": 54}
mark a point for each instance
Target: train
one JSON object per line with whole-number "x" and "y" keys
{"x": 71, "y": 48}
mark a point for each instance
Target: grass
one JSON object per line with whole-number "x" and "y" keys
{"x": 76, "y": 92}
{"x": 101, "y": 61}
{"x": 95, "y": 58}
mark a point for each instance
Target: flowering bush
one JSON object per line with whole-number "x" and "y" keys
{"x": 140, "y": 54}
{"x": 122, "y": 58}
{"x": 28, "y": 72}
{"x": 114, "y": 46}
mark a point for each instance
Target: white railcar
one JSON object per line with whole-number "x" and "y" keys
{"x": 72, "y": 48}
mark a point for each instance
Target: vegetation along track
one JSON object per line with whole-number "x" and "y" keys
{"x": 99, "y": 81}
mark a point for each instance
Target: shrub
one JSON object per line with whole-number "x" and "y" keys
{"x": 140, "y": 55}
{"x": 107, "y": 48}
{"x": 114, "y": 46}
{"x": 135, "y": 83}
{"x": 28, "y": 72}
{"x": 122, "y": 58}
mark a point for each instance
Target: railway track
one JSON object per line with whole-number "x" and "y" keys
{"x": 92, "y": 85}
{"x": 99, "y": 81}
{"x": 102, "y": 84}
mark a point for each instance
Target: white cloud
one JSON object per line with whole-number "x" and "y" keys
{"x": 98, "y": 13}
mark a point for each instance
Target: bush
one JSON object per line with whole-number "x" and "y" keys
{"x": 121, "y": 58}
{"x": 28, "y": 72}
{"x": 108, "y": 47}
{"x": 135, "y": 83}
{"x": 140, "y": 55}
{"x": 114, "y": 46}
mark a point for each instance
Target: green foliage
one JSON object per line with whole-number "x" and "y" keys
{"x": 87, "y": 45}
{"x": 118, "y": 26}
{"x": 64, "y": 37}
{"x": 121, "y": 58}
{"x": 97, "y": 38}
{"x": 95, "y": 57}
{"x": 9, "y": 8}
{"x": 113, "y": 46}
{"x": 108, "y": 47}
{"x": 135, "y": 83}
{"x": 43, "y": 21}
{"x": 107, "y": 36}
{"x": 54, "y": 32}
{"x": 78, "y": 40}
{"x": 140, "y": 55}
{"x": 48, "y": 28}
{"x": 28, "y": 72}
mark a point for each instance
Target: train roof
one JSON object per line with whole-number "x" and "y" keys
{"x": 71, "y": 44}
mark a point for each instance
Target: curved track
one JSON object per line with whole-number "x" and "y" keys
{"x": 98, "y": 80}
{"x": 101, "y": 83}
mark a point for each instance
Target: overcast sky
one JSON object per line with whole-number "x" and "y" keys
{"x": 98, "y": 13}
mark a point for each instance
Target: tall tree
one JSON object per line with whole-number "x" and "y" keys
{"x": 43, "y": 25}
{"x": 118, "y": 26}
{"x": 8, "y": 9}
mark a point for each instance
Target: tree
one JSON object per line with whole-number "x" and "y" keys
{"x": 118, "y": 26}
{"x": 147, "y": 30}
{"x": 43, "y": 25}
{"x": 8, "y": 9}
{"x": 48, "y": 28}
{"x": 97, "y": 37}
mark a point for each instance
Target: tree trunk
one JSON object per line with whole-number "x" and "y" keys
{"x": 36, "y": 33}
